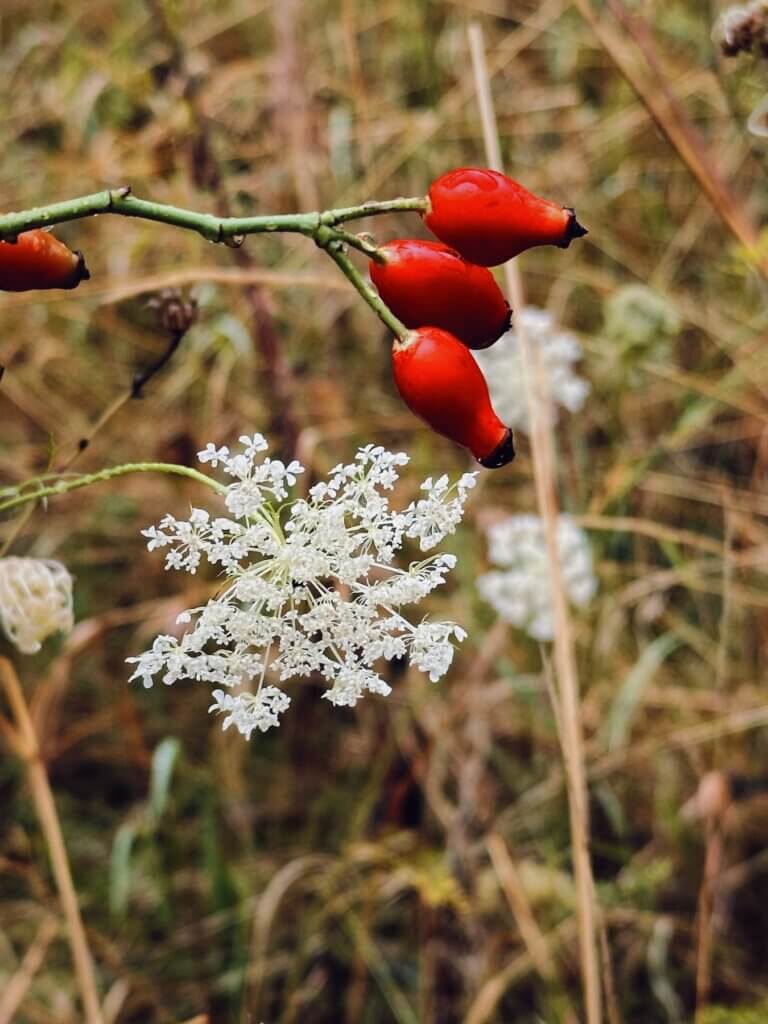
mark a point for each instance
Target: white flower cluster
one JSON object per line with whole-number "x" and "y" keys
{"x": 503, "y": 367}
{"x": 35, "y": 601}
{"x": 520, "y": 590}
{"x": 311, "y": 585}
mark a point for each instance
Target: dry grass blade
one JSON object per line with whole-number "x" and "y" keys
{"x": 17, "y": 986}
{"x": 660, "y": 101}
{"x": 542, "y": 449}
{"x": 511, "y": 883}
{"x": 54, "y": 840}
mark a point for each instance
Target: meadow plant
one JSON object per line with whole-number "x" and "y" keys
{"x": 311, "y": 584}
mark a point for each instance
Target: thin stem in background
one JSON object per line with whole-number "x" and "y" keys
{"x": 713, "y": 865}
{"x": 543, "y": 457}
{"x": 26, "y": 745}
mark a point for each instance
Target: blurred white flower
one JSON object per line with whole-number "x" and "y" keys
{"x": 311, "y": 585}
{"x": 35, "y": 601}
{"x": 520, "y": 591}
{"x": 503, "y": 368}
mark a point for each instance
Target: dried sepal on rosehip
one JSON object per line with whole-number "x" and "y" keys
{"x": 489, "y": 218}
{"x": 442, "y": 384}
{"x": 430, "y": 283}
{"x": 39, "y": 260}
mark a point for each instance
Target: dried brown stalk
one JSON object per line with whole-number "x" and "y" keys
{"x": 543, "y": 456}
{"x": 24, "y": 742}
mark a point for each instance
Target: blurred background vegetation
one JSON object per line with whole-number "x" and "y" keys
{"x": 370, "y": 865}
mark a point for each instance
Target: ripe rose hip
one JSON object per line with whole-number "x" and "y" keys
{"x": 442, "y": 384}
{"x": 428, "y": 283}
{"x": 38, "y": 260}
{"x": 489, "y": 218}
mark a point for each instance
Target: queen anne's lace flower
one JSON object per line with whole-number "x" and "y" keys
{"x": 311, "y": 585}
{"x": 35, "y": 601}
{"x": 520, "y": 591}
{"x": 503, "y": 368}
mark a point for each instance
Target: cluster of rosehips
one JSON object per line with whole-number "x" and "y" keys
{"x": 445, "y": 296}
{"x": 452, "y": 302}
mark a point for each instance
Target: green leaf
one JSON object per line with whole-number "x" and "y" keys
{"x": 628, "y": 698}
{"x": 163, "y": 761}
{"x": 120, "y": 868}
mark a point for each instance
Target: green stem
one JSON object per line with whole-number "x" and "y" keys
{"x": 361, "y": 243}
{"x": 419, "y": 204}
{"x": 216, "y": 229}
{"x": 73, "y": 484}
{"x": 380, "y": 308}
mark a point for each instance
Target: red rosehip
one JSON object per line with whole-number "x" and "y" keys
{"x": 38, "y": 260}
{"x": 428, "y": 283}
{"x": 442, "y": 384}
{"x": 489, "y": 218}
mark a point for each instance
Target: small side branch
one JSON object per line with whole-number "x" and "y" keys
{"x": 335, "y": 250}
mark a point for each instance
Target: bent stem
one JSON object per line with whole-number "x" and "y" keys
{"x": 566, "y": 704}
{"x": 73, "y": 484}
{"x": 25, "y": 743}
{"x": 353, "y": 275}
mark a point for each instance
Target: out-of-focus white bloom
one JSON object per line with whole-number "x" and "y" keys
{"x": 35, "y": 601}
{"x": 311, "y": 585}
{"x": 503, "y": 367}
{"x": 520, "y": 591}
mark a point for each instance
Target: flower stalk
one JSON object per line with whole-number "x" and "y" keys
{"x": 66, "y": 484}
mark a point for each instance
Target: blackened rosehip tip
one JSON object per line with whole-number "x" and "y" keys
{"x": 572, "y": 229}
{"x": 501, "y": 455}
{"x": 497, "y": 335}
{"x": 82, "y": 273}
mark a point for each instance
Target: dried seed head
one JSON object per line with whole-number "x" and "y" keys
{"x": 743, "y": 28}
{"x": 35, "y": 601}
{"x": 176, "y": 311}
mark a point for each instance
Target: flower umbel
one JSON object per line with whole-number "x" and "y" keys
{"x": 311, "y": 585}
{"x": 35, "y": 601}
{"x": 520, "y": 590}
{"x": 503, "y": 368}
